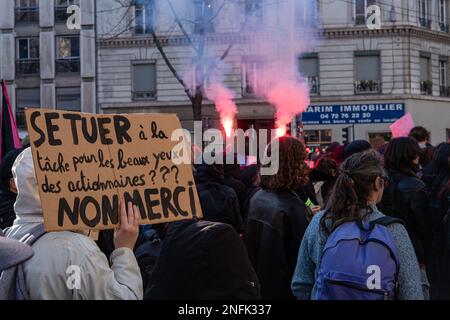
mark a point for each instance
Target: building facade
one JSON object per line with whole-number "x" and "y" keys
{"x": 47, "y": 61}
{"x": 376, "y": 75}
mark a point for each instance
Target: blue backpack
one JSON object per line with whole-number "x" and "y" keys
{"x": 359, "y": 262}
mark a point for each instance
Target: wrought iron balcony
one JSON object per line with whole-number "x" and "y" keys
{"x": 25, "y": 15}
{"x": 367, "y": 86}
{"x": 68, "y": 65}
{"x": 424, "y": 22}
{"x": 426, "y": 87}
{"x": 26, "y": 67}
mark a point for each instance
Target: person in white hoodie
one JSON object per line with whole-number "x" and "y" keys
{"x": 47, "y": 272}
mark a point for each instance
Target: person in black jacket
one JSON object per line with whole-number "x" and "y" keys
{"x": 232, "y": 178}
{"x": 219, "y": 202}
{"x": 8, "y": 191}
{"x": 406, "y": 198}
{"x": 202, "y": 260}
{"x": 277, "y": 221}
{"x": 436, "y": 176}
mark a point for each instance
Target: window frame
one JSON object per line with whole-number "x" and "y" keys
{"x": 56, "y": 98}
{"x": 257, "y": 66}
{"x": 61, "y": 10}
{"x": 20, "y": 121}
{"x": 31, "y": 65}
{"x": 144, "y": 8}
{"x": 374, "y": 86}
{"x": 27, "y": 11}
{"x": 133, "y": 92}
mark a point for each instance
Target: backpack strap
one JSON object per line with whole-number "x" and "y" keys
{"x": 30, "y": 238}
{"x": 387, "y": 221}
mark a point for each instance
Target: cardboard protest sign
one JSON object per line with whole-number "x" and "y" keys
{"x": 402, "y": 126}
{"x": 86, "y": 164}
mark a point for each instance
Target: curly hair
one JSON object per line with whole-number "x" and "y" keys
{"x": 292, "y": 170}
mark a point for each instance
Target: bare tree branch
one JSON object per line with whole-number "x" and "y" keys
{"x": 170, "y": 66}
{"x": 183, "y": 30}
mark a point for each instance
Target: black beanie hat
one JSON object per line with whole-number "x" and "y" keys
{"x": 356, "y": 147}
{"x": 6, "y": 167}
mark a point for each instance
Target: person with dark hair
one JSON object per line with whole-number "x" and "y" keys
{"x": 8, "y": 190}
{"x": 232, "y": 178}
{"x": 356, "y": 192}
{"x": 355, "y": 147}
{"x": 323, "y": 176}
{"x": 219, "y": 202}
{"x": 277, "y": 220}
{"x": 422, "y": 136}
{"x": 406, "y": 198}
{"x": 251, "y": 179}
{"x": 436, "y": 176}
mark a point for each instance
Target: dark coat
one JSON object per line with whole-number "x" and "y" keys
{"x": 203, "y": 260}
{"x": 7, "y": 214}
{"x": 405, "y": 197}
{"x": 275, "y": 228}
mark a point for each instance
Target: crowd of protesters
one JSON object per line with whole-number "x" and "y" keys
{"x": 261, "y": 237}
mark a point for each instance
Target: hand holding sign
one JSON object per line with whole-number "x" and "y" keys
{"x": 126, "y": 234}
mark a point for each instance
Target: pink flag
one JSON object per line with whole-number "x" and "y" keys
{"x": 402, "y": 126}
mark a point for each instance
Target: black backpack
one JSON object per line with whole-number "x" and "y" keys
{"x": 202, "y": 260}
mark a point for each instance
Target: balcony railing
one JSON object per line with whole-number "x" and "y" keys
{"x": 27, "y": 67}
{"x": 426, "y": 87}
{"x": 314, "y": 85}
{"x": 443, "y": 27}
{"x": 426, "y": 23}
{"x": 27, "y": 15}
{"x": 68, "y": 65}
{"x": 144, "y": 95}
{"x": 444, "y": 91}
{"x": 367, "y": 86}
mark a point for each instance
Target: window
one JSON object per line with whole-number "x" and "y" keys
{"x": 68, "y": 54}
{"x": 318, "y": 137}
{"x": 61, "y": 9}
{"x": 144, "y": 81}
{"x": 309, "y": 68}
{"x": 424, "y": 14}
{"x": 307, "y": 13}
{"x": 204, "y": 14}
{"x": 27, "y": 11}
{"x": 443, "y": 82}
{"x": 253, "y": 12}
{"x": 26, "y": 98}
{"x": 68, "y": 99}
{"x": 426, "y": 85}
{"x": 252, "y": 70}
{"x": 443, "y": 15}
{"x": 27, "y": 60}
{"x": 361, "y": 13}
{"x": 367, "y": 72}
{"x": 143, "y": 16}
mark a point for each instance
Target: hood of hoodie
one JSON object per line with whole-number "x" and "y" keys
{"x": 210, "y": 173}
{"x": 28, "y": 203}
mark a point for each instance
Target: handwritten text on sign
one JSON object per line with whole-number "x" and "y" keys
{"x": 86, "y": 164}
